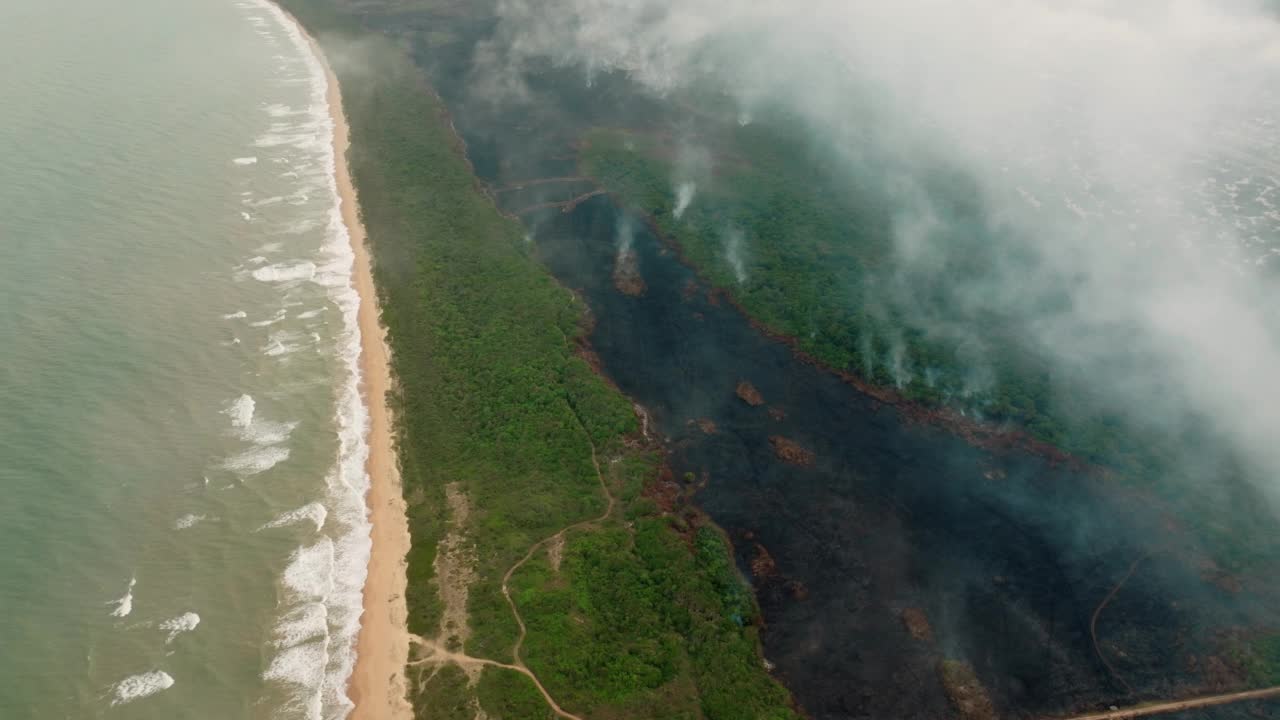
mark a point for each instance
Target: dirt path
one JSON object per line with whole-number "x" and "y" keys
{"x": 558, "y": 537}
{"x": 566, "y": 206}
{"x": 436, "y": 654}
{"x": 453, "y": 631}
{"x": 541, "y": 181}
{"x": 1168, "y": 707}
{"x": 1093, "y": 621}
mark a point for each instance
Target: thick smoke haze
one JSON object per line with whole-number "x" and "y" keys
{"x": 1124, "y": 156}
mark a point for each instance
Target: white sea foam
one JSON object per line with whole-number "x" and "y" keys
{"x": 280, "y": 315}
{"x": 188, "y": 521}
{"x": 175, "y": 626}
{"x": 276, "y": 348}
{"x": 265, "y": 432}
{"x": 309, "y": 314}
{"x": 245, "y": 160}
{"x": 136, "y": 687}
{"x": 246, "y": 216}
{"x": 298, "y": 227}
{"x": 282, "y": 343}
{"x": 309, "y": 575}
{"x": 250, "y": 428}
{"x": 303, "y": 666}
{"x": 241, "y": 410}
{"x": 305, "y": 623}
{"x": 297, "y": 140}
{"x": 327, "y": 577}
{"x": 313, "y": 512}
{"x": 285, "y": 272}
{"x": 124, "y": 604}
{"x": 271, "y": 247}
{"x": 235, "y": 315}
{"x": 256, "y": 460}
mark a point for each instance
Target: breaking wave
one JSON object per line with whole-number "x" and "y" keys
{"x": 188, "y": 521}
{"x": 175, "y": 626}
{"x": 285, "y": 272}
{"x": 256, "y": 460}
{"x": 314, "y": 638}
{"x": 124, "y": 604}
{"x": 315, "y": 513}
{"x": 136, "y": 687}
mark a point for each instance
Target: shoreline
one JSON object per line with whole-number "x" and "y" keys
{"x": 377, "y": 686}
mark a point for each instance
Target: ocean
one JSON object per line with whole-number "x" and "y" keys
{"x": 183, "y": 531}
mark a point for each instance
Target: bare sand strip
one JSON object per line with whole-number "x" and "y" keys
{"x": 377, "y": 685}
{"x": 1142, "y": 711}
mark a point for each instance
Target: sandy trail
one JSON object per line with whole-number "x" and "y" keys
{"x": 377, "y": 685}
{"x": 1168, "y": 707}
{"x": 436, "y": 652}
{"x": 1093, "y": 621}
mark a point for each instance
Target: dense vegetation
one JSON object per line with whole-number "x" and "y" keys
{"x": 645, "y": 615}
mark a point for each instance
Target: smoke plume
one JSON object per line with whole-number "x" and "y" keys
{"x": 1118, "y": 164}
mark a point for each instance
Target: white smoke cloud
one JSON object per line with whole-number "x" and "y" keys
{"x": 684, "y": 195}
{"x": 1125, "y": 155}
{"x": 734, "y": 249}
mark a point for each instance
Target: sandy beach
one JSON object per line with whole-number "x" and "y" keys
{"x": 377, "y": 685}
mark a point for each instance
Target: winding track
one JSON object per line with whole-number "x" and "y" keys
{"x": 435, "y": 650}
{"x": 1093, "y": 621}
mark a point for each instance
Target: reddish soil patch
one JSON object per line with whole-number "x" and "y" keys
{"x": 626, "y": 274}
{"x": 749, "y": 394}
{"x": 1219, "y": 578}
{"x": 1219, "y": 674}
{"x": 789, "y": 451}
{"x": 798, "y": 590}
{"x": 917, "y": 624}
{"x": 965, "y": 692}
{"x": 707, "y": 426}
{"x": 763, "y": 565}
{"x": 664, "y": 490}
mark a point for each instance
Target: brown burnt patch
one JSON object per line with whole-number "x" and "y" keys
{"x": 763, "y": 566}
{"x": 1219, "y": 578}
{"x": 664, "y": 490}
{"x": 917, "y": 624}
{"x": 626, "y": 274}
{"x": 749, "y": 394}
{"x": 798, "y": 590}
{"x": 965, "y": 691}
{"x": 689, "y": 291}
{"x": 789, "y": 451}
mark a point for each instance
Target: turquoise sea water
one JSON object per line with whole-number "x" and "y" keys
{"x": 182, "y": 530}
